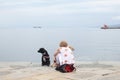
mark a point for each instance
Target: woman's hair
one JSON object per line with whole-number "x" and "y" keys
{"x": 63, "y": 44}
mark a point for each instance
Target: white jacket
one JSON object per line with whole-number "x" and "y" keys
{"x": 65, "y": 56}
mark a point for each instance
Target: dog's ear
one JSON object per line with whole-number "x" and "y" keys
{"x": 41, "y": 50}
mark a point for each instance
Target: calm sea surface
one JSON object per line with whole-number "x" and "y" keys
{"x": 90, "y": 44}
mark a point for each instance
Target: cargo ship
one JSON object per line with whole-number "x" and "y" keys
{"x": 110, "y": 27}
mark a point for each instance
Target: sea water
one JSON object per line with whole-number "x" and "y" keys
{"x": 91, "y": 44}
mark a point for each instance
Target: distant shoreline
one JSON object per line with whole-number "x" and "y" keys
{"x": 110, "y": 28}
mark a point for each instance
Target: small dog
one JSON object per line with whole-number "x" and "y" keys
{"x": 45, "y": 57}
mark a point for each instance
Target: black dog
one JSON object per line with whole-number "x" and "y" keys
{"x": 45, "y": 56}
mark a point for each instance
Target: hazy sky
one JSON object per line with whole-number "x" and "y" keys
{"x": 59, "y": 13}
